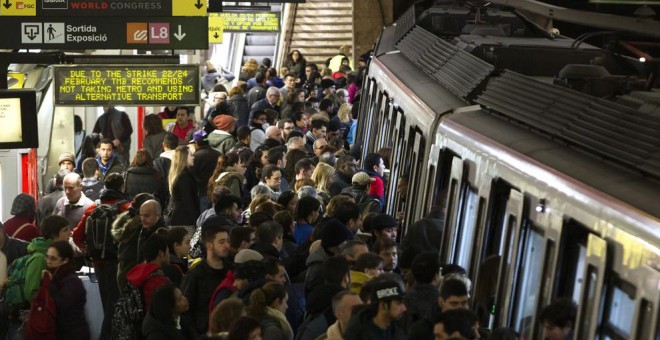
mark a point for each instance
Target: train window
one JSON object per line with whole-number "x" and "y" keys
{"x": 569, "y": 280}
{"x": 587, "y": 306}
{"x": 618, "y": 322}
{"x": 442, "y": 177}
{"x": 466, "y": 228}
{"x": 527, "y": 287}
{"x": 499, "y": 196}
{"x": 645, "y": 323}
{"x": 2, "y": 203}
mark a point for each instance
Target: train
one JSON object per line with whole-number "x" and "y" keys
{"x": 542, "y": 151}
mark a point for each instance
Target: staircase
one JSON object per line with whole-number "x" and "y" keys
{"x": 317, "y": 28}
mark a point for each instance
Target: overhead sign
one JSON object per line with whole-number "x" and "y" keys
{"x": 215, "y": 30}
{"x": 250, "y": 21}
{"x": 96, "y": 85}
{"x": 105, "y": 8}
{"x": 109, "y": 33}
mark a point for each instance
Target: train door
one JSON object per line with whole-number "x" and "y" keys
{"x": 507, "y": 240}
{"x": 531, "y": 274}
{"x": 399, "y": 145}
{"x": 647, "y": 315}
{"x": 592, "y": 290}
{"x": 453, "y": 205}
{"x": 414, "y": 166}
{"x": 368, "y": 106}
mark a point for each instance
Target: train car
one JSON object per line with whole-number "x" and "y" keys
{"x": 549, "y": 189}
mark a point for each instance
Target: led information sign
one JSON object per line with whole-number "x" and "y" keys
{"x": 250, "y": 22}
{"x": 126, "y": 85}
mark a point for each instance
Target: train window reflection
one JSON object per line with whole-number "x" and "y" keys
{"x": 467, "y": 228}
{"x": 2, "y": 203}
{"x": 645, "y": 323}
{"x": 588, "y": 303}
{"x": 620, "y": 310}
{"x": 529, "y": 279}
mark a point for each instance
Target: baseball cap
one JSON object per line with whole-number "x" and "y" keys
{"x": 199, "y": 137}
{"x": 386, "y": 291}
{"x": 362, "y": 178}
{"x": 245, "y": 255}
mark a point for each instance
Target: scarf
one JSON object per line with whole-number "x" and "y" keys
{"x": 284, "y": 324}
{"x": 107, "y": 167}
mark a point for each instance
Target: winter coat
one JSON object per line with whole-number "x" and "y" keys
{"x": 205, "y": 161}
{"x": 221, "y": 141}
{"x": 184, "y": 201}
{"x": 359, "y": 328}
{"x": 154, "y": 329}
{"x": 233, "y": 180}
{"x": 114, "y": 166}
{"x": 338, "y": 182}
{"x": 154, "y": 144}
{"x": 274, "y": 326}
{"x": 198, "y": 286}
{"x": 127, "y": 232}
{"x": 421, "y": 301}
{"x": 314, "y": 276}
{"x": 238, "y": 107}
{"x": 139, "y": 179}
{"x": 70, "y": 297}
{"x": 176, "y": 269}
{"x": 35, "y": 266}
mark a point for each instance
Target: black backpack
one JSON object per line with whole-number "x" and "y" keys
{"x": 129, "y": 311}
{"x": 100, "y": 244}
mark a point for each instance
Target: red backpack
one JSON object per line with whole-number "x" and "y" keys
{"x": 40, "y": 323}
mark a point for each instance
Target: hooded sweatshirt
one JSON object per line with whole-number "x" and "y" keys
{"x": 137, "y": 276}
{"x": 37, "y": 263}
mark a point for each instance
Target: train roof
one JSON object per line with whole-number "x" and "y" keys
{"x": 610, "y": 147}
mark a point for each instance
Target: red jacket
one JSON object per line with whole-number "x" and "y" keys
{"x": 79, "y": 235}
{"x": 137, "y": 276}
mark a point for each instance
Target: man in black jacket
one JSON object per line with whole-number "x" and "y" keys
{"x": 199, "y": 283}
{"x": 345, "y": 167}
{"x": 379, "y": 321}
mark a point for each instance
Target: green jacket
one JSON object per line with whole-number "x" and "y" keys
{"x": 37, "y": 263}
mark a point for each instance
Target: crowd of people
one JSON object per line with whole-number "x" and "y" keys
{"x": 261, "y": 221}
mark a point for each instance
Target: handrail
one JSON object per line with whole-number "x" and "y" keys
{"x": 291, "y": 22}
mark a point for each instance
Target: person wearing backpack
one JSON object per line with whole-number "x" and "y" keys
{"x": 149, "y": 275}
{"x": 22, "y": 225}
{"x": 131, "y": 229}
{"x": 319, "y": 313}
{"x": 67, "y": 291}
{"x": 13, "y": 248}
{"x": 359, "y": 189}
{"x": 98, "y": 243}
{"x": 25, "y": 273}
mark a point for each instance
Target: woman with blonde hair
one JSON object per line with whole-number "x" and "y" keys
{"x": 321, "y": 176}
{"x": 249, "y": 70}
{"x": 183, "y": 209}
